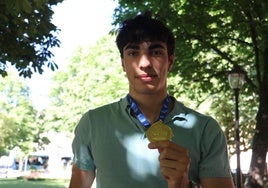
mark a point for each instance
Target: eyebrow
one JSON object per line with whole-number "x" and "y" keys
{"x": 132, "y": 46}
{"x": 151, "y": 47}
{"x": 156, "y": 46}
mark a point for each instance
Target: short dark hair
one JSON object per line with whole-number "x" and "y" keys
{"x": 144, "y": 28}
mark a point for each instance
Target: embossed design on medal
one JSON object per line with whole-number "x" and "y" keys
{"x": 159, "y": 132}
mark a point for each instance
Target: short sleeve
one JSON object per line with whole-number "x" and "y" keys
{"x": 81, "y": 145}
{"x": 214, "y": 156}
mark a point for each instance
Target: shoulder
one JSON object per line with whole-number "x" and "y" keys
{"x": 192, "y": 118}
{"x": 206, "y": 128}
{"x": 103, "y": 113}
{"x": 187, "y": 122}
{"x": 114, "y": 107}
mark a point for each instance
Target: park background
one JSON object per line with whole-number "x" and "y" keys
{"x": 40, "y": 113}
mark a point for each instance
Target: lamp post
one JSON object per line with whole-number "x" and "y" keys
{"x": 236, "y": 79}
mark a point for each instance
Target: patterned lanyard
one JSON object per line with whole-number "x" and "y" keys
{"x": 140, "y": 115}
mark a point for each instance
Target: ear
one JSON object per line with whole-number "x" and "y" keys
{"x": 171, "y": 62}
{"x": 123, "y": 64}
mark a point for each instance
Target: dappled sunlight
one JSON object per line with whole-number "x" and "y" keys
{"x": 141, "y": 165}
{"x": 187, "y": 121}
{"x": 255, "y": 173}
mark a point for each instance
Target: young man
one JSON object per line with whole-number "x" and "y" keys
{"x": 111, "y": 143}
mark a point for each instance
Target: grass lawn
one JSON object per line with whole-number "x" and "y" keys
{"x": 41, "y": 183}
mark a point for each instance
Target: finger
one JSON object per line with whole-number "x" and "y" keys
{"x": 172, "y": 173}
{"x": 179, "y": 158}
{"x": 180, "y": 164}
{"x": 166, "y": 144}
{"x": 172, "y": 154}
{"x": 174, "y": 169}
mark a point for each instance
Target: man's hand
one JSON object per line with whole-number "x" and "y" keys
{"x": 174, "y": 163}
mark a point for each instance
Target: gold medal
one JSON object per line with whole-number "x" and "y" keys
{"x": 159, "y": 132}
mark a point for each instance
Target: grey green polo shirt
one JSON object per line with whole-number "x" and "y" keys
{"x": 110, "y": 140}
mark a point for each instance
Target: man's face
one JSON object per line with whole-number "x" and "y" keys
{"x": 146, "y": 65}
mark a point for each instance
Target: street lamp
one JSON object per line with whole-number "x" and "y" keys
{"x": 236, "y": 79}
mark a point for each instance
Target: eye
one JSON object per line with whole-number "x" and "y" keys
{"x": 131, "y": 52}
{"x": 157, "y": 52}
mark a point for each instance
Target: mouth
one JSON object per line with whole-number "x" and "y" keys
{"x": 146, "y": 77}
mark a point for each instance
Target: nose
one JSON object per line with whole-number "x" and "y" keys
{"x": 145, "y": 62}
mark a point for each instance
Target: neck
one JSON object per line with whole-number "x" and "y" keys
{"x": 150, "y": 104}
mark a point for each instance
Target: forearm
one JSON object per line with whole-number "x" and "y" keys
{"x": 81, "y": 178}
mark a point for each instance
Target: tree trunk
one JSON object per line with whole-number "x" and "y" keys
{"x": 258, "y": 164}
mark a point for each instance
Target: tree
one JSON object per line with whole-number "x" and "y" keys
{"x": 213, "y": 37}
{"x": 6, "y": 129}
{"x": 26, "y": 35}
{"x": 17, "y": 116}
{"x": 93, "y": 77}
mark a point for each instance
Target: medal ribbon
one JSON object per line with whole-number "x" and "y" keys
{"x": 141, "y": 117}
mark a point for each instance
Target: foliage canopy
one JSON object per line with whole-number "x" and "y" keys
{"x": 212, "y": 38}
{"x": 27, "y": 35}
{"x": 20, "y": 124}
{"x": 94, "y": 77}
